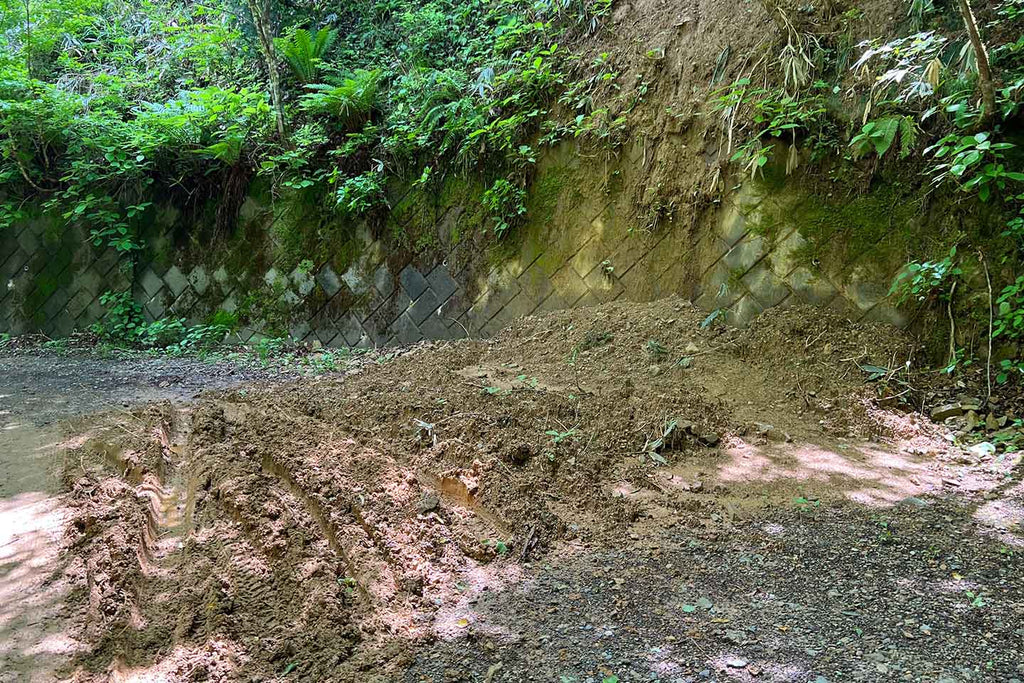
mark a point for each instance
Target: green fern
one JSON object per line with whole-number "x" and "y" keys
{"x": 879, "y": 135}
{"x": 350, "y": 100}
{"x": 303, "y": 51}
{"x": 227, "y": 150}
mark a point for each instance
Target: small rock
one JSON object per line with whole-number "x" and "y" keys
{"x": 736, "y": 663}
{"x": 944, "y": 412}
{"x": 983, "y": 449}
{"x": 654, "y": 370}
{"x": 428, "y": 502}
{"x": 970, "y": 404}
{"x": 710, "y": 439}
{"x": 991, "y": 423}
{"x": 491, "y": 671}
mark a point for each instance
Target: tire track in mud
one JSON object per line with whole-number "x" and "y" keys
{"x": 164, "y": 519}
{"x": 319, "y": 516}
{"x": 203, "y": 567}
{"x": 363, "y": 550}
{"x": 272, "y": 533}
{"x": 387, "y": 570}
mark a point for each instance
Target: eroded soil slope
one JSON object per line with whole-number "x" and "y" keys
{"x": 625, "y": 490}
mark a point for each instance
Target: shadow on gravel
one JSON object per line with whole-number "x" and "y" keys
{"x": 836, "y": 592}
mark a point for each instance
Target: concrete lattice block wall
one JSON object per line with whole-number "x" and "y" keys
{"x": 51, "y": 281}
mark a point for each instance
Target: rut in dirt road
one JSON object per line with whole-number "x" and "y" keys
{"x": 40, "y": 634}
{"x": 559, "y": 501}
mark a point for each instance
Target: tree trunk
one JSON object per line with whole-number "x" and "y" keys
{"x": 28, "y": 38}
{"x": 988, "y": 90}
{"x": 260, "y": 10}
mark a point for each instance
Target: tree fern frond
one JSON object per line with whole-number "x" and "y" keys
{"x": 303, "y": 51}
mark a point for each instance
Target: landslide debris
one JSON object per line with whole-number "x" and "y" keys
{"x": 328, "y": 526}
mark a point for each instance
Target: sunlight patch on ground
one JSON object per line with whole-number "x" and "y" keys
{"x": 457, "y": 618}
{"x": 862, "y": 473}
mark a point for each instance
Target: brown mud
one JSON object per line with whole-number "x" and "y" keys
{"x": 551, "y": 505}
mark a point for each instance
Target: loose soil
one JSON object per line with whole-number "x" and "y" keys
{"x": 39, "y": 392}
{"x": 627, "y": 491}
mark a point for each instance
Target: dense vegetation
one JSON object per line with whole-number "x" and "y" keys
{"x": 103, "y": 100}
{"x": 942, "y": 103}
{"x": 107, "y": 106}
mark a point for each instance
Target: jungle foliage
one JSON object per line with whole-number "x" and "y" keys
{"x": 103, "y": 101}
{"x": 943, "y": 102}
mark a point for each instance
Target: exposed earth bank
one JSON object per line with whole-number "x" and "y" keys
{"x": 627, "y": 492}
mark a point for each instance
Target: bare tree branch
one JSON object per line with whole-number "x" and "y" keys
{"x": 988, "y": 90}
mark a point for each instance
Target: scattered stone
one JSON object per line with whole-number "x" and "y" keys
{"x": 947, "y": 411}
{"x": 991, "y": 423}
{"x": 736, "y": 663}
{"x": 983, "y": 449}
{"x": 970, "y": 404}
{"x": 710, "y": 439}
{"x": 428, "y": 502}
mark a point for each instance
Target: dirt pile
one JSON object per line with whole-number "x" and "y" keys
{"x": 336, "y": 522}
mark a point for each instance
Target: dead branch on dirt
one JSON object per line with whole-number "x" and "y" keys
{"x": 988, "y": 359}
{"x": 952, "y": 325}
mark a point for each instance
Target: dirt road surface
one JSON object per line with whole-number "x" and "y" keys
{"x": 39, "y": 393}
{"x": 620, "y": 493}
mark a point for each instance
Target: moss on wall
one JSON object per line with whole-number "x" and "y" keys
{"x": 52, "y": 273}
{"x": 884, "y": 222}
{"x": 554, "y": 185}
